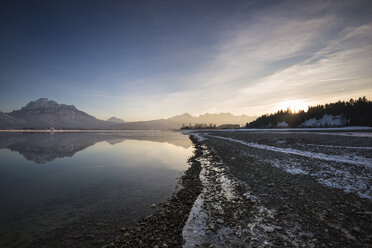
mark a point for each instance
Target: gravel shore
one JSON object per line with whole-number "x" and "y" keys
{"x": 266, "y": 190}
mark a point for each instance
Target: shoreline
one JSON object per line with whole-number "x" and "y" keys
{"x": 78, "y": 130}
{"x": 346, "y": 129}
{"x": 164, "y": 227}
{"x": 256, "y": 195}
{"x": 249, "y": 195}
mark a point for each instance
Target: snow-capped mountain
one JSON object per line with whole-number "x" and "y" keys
{"x": 45, "y": 113}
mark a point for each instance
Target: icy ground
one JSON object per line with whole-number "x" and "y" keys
{"x": 331, "y": 170}
{"x": 221, "y": 218}
{"x": 283, "y": 189}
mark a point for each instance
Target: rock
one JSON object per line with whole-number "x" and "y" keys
{"x": 153, "y": 205}
{"x": 126, "y": 235}
{"x": 278, "y": 227}
{"x": 267, "y": 228}
{"x": 220, "y": 221}
{"x": 122, "y": 229}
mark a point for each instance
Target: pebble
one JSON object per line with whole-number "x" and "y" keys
{"x": 220, "y": 221}
{"x": 267, "y": 228}
{"x": 210, "y": 227}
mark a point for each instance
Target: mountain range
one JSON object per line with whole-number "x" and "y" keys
{"x": 115, "y": 120}
{"x": 45, "y": 114}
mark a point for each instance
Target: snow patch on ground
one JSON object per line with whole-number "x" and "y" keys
{"x": 349, "y": 178}
{"x": 289, "y": 167}
{"x": 356, "y": 177}
{"x": 196, "y": 225}
{"x": 328, "y": 175}
{"x": 341, "y": 147}
{"x": 357, "y": 160}
{"x": 207, "y": 221}
{"x": 198, "y": 136}
{"x": 350, "y": 128}
{"x": 353, "y": 134}
{"x": 254, "y": 224}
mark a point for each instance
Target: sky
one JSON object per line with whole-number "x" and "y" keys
{"x": 142, "y": 60}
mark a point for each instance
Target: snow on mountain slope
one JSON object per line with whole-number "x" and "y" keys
{"x": 325, "y": 121}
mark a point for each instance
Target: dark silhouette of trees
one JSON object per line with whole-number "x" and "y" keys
{"x": 356, "y": 112}
{"x": 199, "y": 126}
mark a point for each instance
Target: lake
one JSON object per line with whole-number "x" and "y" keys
{"x": 79, "y": 189}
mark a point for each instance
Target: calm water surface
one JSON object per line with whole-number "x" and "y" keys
{"x": 79, "y": 189}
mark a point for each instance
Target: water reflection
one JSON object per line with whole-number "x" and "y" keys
{"x": 100, "y": 182}
{"x": 45, "y": 147}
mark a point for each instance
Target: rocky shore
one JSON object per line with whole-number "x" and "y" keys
{"x": 285, "y": 190}
{"x": 266, "y": 190}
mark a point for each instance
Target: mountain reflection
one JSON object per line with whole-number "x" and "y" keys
{"x": 45, "y": 147}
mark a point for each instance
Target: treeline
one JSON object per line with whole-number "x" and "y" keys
{"x": 199, "y": 126}
{"x": 355, "y": 112}
{"x": 210, "y": 126}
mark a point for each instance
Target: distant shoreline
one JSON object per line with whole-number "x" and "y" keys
{"x": 349, "y": 128}
{"x": 77, "y": 130}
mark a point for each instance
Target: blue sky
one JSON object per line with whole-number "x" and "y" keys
{"x": 141, "y": 60}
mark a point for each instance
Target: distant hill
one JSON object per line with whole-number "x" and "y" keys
{"x": 176, "y": 122}
{"x": 45, "y": 114}
{"x": 218, "y": 119}
{"x": 338, "y": 114}
{"x": 115, "y": 120}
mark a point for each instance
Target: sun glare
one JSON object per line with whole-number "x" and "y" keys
{"x": 293, "y": 105}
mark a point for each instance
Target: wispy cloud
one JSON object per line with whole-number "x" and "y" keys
{"x": 312, "y": 56}
{"x": 340, "y": 69}
{"x": 310, "y": 51}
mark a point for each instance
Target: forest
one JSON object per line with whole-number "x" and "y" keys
{"x": 353, "y": 112}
